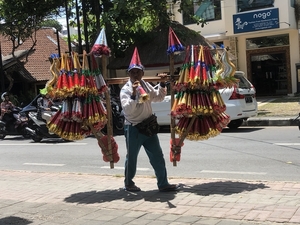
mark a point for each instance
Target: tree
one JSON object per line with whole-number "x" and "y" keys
{"x": 52, "y": 23}
{"x": 125, "y": 21}
{"x": 21, "y": 19}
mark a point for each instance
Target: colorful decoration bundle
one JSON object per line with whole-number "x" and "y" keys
{"x": 197, "y": 93}
{"x": 80, "y": 93}
{"x": 198, "y": 106}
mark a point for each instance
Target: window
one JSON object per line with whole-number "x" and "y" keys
{"x": 247, "y": 5}
{"x": 208, "y": 10}
{"x": 261, "y": 42}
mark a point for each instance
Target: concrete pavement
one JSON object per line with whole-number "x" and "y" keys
{"x": 68, "y": 198}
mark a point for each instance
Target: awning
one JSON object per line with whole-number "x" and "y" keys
{"x": 15, "y": 66}
{"x": 9, "y": 60}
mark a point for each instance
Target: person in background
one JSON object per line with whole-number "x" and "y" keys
{"x": 134, "y": 113}
{"x": 43, "y": 104}
{"x": 6, "y": 105}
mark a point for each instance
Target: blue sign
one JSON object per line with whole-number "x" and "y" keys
{"x": 256, "y": 21}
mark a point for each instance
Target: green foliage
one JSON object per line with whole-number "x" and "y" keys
{"x": 187, "y": 10}
{"x": 124, "y": 21}
{"x": 22, "y": 18}
{"x": 52, "y": 23}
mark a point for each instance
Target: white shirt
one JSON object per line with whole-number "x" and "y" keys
{"x": 135, "y": 112}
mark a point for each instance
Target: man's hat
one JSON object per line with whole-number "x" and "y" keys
{"x": 135, "y": 61}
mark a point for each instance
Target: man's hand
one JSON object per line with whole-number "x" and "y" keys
{"x": 134, "y": 87}
{"x": 163, "y": 76}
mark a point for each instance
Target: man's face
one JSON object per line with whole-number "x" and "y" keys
{"x": 6, "y": 98}
{"x": 136, "y": 74}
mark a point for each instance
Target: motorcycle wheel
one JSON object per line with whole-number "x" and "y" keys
{"x": 2, "y": 132}
{"x": 26, "y": 136}
{"x": 119, "y": 126}
{"x": 37, "y": 139}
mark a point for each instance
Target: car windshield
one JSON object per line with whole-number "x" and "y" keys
{"x": 243, "y": 82}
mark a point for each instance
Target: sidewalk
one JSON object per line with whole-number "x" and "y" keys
{"x": 66, "y": 198}
{"x": 270, "y": 121}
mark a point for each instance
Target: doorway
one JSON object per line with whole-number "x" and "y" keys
{"x": 269, "y": 70}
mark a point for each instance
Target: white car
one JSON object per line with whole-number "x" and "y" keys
{"x": 240, "y": 103}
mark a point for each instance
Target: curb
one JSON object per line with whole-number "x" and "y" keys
{"x": 255, "y": 121}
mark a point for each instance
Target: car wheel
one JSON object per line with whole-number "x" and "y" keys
{"x": 234, "y": 124}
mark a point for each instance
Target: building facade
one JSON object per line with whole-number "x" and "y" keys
{"x": 262, "y": 34}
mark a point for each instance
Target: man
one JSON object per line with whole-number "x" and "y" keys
{"x": 6, "y": 104}
{"x": 135, "y": 112}
{"x": 43, "y": 104}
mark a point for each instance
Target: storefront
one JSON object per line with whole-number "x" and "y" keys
{"x": 268, "y": 66}
{"x": 264, "y": 37}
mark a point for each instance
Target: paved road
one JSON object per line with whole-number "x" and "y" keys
{"x": 259, "y": 153}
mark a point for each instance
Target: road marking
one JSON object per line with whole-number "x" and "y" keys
{"x": 123, "y": 168}
{"x": 42, "y": 144}
{"x": 233, "y": 172}
{"x": 288, "y": 144}
{"x": 42, "y": 164}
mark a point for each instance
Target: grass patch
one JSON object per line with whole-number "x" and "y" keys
{"x": 280, "y": 107}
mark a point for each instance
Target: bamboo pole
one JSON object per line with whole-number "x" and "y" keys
{"x": 108, "y": 108}
{"x": 172, "y": 128}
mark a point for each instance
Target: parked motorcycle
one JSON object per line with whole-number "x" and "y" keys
{"x": 31, "y": 107}
{"x": 14, "y": 123}
{"x": 38, "y": 129}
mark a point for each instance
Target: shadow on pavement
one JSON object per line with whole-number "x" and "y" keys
{"x": 14, "y": 220}
{"x": 223, "y": 188}
{"x": 14, "y": 138}
{"x": 241, "y": 130}
{"x": 92, "y": 197}
{"x": 211, "y": 188}
{"x": 52, "y": 141}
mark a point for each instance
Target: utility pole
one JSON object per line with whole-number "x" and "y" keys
{"x": 85, "y": 28}
{"x": 58, "y": 43}
{"x": 1, "y": 71}
{"x": 78, "y": 29}
{"x": 68, "y": 27}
